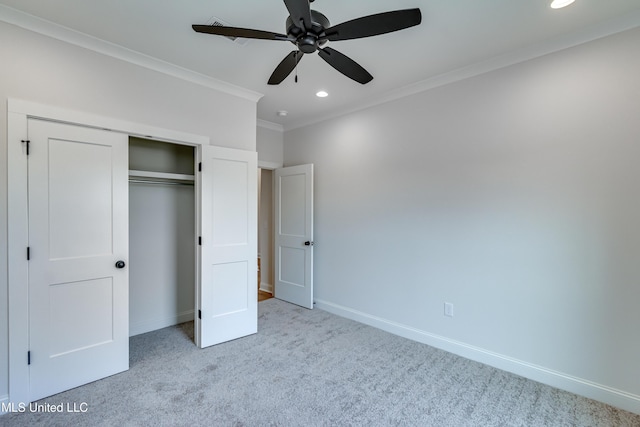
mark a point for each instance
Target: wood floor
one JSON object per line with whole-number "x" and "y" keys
{"x": 262, "y": 295}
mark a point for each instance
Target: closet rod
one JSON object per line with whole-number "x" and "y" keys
{"x": 148, "y": 181}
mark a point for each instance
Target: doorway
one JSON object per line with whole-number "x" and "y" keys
{"x": 162, "y": 235}
{"x": 285, "y": 234}
{"x": 265, "y": 234}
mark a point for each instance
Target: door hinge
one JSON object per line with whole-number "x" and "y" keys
{"x": 28, "y": 357}
{"x": 28, "y": 253}
{"x": 26, "y": 142}
{"x": 200, "y": 167}
{"x": 199, "y": 314}
{"x": 199, "y": 240}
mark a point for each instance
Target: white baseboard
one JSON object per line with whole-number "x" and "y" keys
{"x": 266, "y": 287}
{"x": 621, "y": 399}
{"x": 142, "y": 327}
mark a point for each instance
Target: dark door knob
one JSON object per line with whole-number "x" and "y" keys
{"x": 308, "y": 243}
{"x": 120, "y": 264}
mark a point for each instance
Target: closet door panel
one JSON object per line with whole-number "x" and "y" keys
{"x": 227, "y": 297}
{"x": 78, "y": 230}
{"x": 230, "y": 207}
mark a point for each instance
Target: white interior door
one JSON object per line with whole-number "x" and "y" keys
{"x": 227, "y": 295}
{"x": 78, "y": 230}
{"x": 294, "y": 234}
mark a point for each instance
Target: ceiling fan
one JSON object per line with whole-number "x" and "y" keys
{"x": 310, "y": 30}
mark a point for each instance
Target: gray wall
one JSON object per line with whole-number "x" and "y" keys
{"x": 269, "y": 144}
{"x": 43, "y": 70}
{"x": 513, "y": 195}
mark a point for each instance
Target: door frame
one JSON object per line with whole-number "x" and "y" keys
{"x": 270, "y": 166}
{"x": 18, "y": 114}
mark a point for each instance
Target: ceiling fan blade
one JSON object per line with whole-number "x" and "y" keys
{"x": 285, "y": 67}
{"x": 345, "y": 65}
{"x": 239, "y": 32}
{"x": 374, "y": 25}
{"x": 300, "y": 12}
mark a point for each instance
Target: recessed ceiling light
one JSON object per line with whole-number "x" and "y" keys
{"x": 322, "y": 94}
{"x": 282, "y": 113}
{"x": 558, "y": 4}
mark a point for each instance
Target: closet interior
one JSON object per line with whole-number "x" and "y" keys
{"x": 162, "y": 242}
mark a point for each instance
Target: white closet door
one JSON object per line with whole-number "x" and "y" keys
{"x": 227, "y": 294}
{"x": 78, "y": 230}
{"x": 293, "y": 195}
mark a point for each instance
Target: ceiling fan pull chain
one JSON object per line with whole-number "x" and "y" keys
{"x": 295, "y": 58}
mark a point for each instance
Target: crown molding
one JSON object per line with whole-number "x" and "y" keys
{"x": 585, "y": 35}
{"x": 270, "y": 125}
{"x": 67, "y": 35}
{"x": 50, "y": 29}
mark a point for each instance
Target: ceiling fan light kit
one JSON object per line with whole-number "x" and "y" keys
{"x": 310, "y": 30}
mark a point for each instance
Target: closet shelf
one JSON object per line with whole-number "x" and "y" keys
{"x": 160, "y": 176}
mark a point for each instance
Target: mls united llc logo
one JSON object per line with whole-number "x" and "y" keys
{"x": 68, "y": 407}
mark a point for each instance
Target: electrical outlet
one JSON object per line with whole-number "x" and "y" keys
{"x": 448, "y": 309}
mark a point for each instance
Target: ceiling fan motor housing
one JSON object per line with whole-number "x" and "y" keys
{"x": 308, "y": 40}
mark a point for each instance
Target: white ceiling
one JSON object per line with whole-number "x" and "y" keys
{"x": 457, "y": 38}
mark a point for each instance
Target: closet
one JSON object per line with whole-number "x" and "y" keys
{"x": 162, "y": 242}
{"x": 118, "y": 218}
